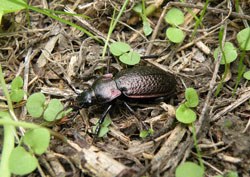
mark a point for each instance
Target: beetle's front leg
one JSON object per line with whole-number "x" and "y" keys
{"x": 101, "y": 120}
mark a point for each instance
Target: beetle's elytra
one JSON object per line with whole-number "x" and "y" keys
{"x": 137, "y": 82}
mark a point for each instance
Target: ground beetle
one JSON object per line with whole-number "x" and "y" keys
{"x": 139, "y": 82}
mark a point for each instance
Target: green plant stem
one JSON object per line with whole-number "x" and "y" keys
{"x": 8, "y": 145}
{"x": 143, "y": 8}
{"x": 195, "y": 17}
{"x": 7, "y": 95}
{"x": 227, "y": 67}
{"x": 45, "y": 12}
{"x": 19, "y": 124}
{"x": 143, "y": 14}
{"x": 50, "y": 14}
{"x": 241, "y": 70}
{"x": 198, "y": 22}
{"x": 5, "y": 90}
{"x": 197, "y": 148}
{"x": 112, "y": 27}
{"x": 237, "y": 5}
{"x": 31, "y": 126}
{"x": 221, "y": 45}
{"x": 9, "y": 130}
{"x": 108, "y": 37}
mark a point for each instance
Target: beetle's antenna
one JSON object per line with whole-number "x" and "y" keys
{"x": 154, "y": 56}
{"x": 150, "y": 56}
{"x": 65, "y": 80}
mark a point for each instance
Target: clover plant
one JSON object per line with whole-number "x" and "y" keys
{"x": 174, "y": 17}
{"x": 184, "y": 112}
{"x": 190, "y": 168}
{"x": 125, "y": 53}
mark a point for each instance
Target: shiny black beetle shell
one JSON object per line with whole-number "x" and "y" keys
{"x": 145, "y": 82}
{"x": 137, "y": 82}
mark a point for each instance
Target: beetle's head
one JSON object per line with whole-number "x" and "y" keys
{"x": 86, "y": 99}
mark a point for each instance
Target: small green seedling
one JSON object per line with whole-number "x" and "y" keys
{"x": 17, "y": 93}
{"x": 22, "y": 162}
{"x": 191, "y": 97}
{"x": 190, "y": 168}
{"x": 184, "y": 113}
{"x": 37, "y": 139}
{"x": 229, "y": 174}
{"x": 228, "y": 54}
{"x": 242, "y": 38}
{"x": 246, "y": 75}
{"x": 146, "y": 133}
{"x": 35, "y": 104}
{"x": 150, "y": 9}
{"x": 54, "y": 110}
{"x": 175, "y": 35}
{"x": 140, "y": 9}
{"x": 175, "y": 17}
{"x": 125, "y": 53}
{"x": 229, "y": 51}
{"x": 104, "y": 127}
{"x": 227, "y": 123}
{"x": 146, "y": 27}
{"x": 10, "y": 6}
{"x": 119, "y": 48}
{"x": 37, "y": 107}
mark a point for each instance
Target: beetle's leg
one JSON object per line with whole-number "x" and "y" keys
{"x": 100, "y": 121}
{"x": 143, "y": 125}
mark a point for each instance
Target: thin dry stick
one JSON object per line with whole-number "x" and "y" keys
{"x": 213, "y": 81}
{"x": 209, "y": 9}
{"x": 45, "y": 164}
{"x": 26, "y": 79}
{"x": 244, "y": 21}
{"x": 156, "y": 31}
{"x": 136, "y": 31}
{"x": 25, "y": 86}
{"x": 196, "y": 40}
{"x": 213, "y": 29}
{"x": 85, "y": 23}
{"x": 244, "y": 97}
{"x": 247, "y": 126}
{"x": 213, "y": 167}
{"x": 53, "y": 154}
{"x": 167, "y": 148}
